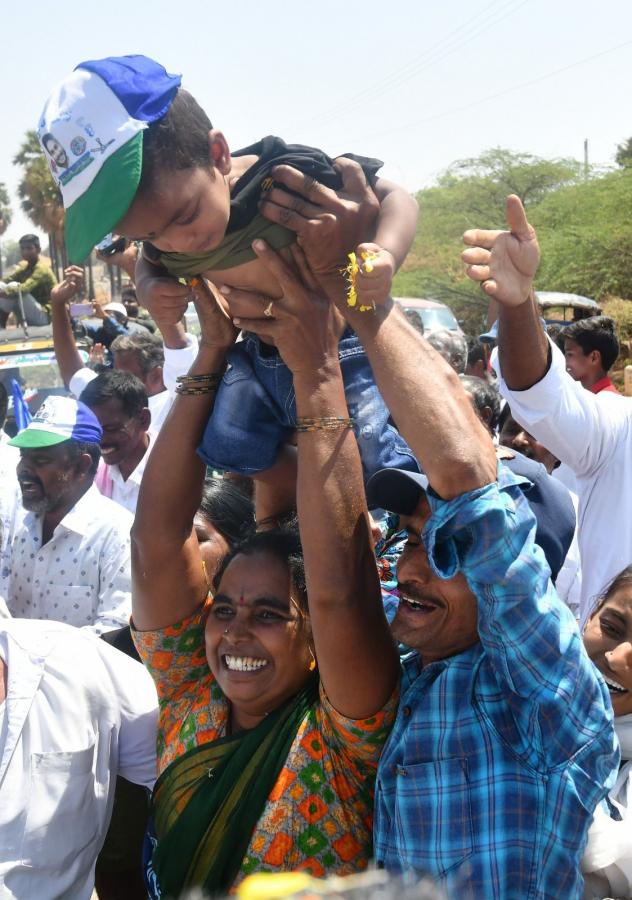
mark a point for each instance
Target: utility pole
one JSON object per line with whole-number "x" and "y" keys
{"x": 586, "y": 159}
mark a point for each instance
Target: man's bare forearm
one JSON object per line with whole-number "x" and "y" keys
{"x": 522, "y": 345}
{"x": 429, "y": 406}
{"x": 174, "y": 337}
{"x": 66, "y": 353}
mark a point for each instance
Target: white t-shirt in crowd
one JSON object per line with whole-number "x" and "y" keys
{"x": 592, "y": 434}
{"x": 77, "y": 714}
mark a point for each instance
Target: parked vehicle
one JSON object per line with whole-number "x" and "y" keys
{"x": 562, "y": 309}
{"x": 31, "y": 361}
{"x": 435, "y": 316}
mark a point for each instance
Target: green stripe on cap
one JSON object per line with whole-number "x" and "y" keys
{"x": 106, "y": 201}
{"x": 31, "y": 438}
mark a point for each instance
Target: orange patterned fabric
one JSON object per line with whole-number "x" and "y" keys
{"x": 319, "y": 814}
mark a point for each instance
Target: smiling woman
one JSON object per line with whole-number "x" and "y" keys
{"x": 272, "y": 719}
{"x": 608, "y": 641}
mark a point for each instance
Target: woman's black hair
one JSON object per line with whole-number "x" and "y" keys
{"x": 624, "y": 577}
{"x": 282, "y": 543}
{"x": 227, "y": 509}
{"x": 177, "y": 141}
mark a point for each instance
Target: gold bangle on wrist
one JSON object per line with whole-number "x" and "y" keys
{"x": 323, "y": 423}
{"x": 195, "y": 391}
{"x": 199, "y": 380}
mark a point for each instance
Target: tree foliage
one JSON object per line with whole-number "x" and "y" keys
{"x": 472, "y": 193}
{"x": 5, "y": 208}
{"x": 585, "y": 232}
{"x": 623, "y": 155}
{"x": 11, "y": 253}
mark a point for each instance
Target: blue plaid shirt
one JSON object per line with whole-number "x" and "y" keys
{"x": 500, "y": 754}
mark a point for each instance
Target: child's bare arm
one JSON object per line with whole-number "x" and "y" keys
{"x": 160, "y": 293}
{"x": 397, "y": 221}
{"x": 394, "y": 234}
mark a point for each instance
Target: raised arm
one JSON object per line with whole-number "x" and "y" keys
{"x": 428, "y": 404}
{"x": 66, "y": 353}
{"x": 357, "y": 661}
{"x": 397, "y": 220}
{"x": 168, "y": 580}
{"x": 423, "y": 393}
{"x": 505, "y": 262}
{"x": 578, "y": 427}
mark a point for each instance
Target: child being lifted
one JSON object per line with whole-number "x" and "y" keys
{"x": 132, "y": 152}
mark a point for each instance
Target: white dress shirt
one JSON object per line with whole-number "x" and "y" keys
{"x": 123, "y": 491}
{"x": 82, "y": 574}
{"x": 77, "y": 714}
{"x": 592, "y": 434}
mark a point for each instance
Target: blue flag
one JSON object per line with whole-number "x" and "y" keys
{"x": 20, "y": 409}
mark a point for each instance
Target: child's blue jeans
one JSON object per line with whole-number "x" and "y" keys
{"x": 255, "y": 411}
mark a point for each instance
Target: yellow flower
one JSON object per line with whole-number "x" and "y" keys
{"x": 351, "y": 274}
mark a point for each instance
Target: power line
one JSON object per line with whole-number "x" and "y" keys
{"x": 504, "y": 92}
{"x": 447, "y": 45}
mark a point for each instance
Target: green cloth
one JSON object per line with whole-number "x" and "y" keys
{"x": 37, "y": 280}
{"x": 208, "y": 801}
{"x": 235, "y": 249}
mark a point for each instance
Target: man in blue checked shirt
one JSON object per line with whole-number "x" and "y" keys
{"x": 503, "y": 745}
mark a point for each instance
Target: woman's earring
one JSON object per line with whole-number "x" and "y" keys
{"x": 312, "y": 664}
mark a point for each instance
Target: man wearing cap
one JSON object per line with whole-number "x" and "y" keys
{"x": 503, "y": 743}
{"x": 34, "y": 279}
{"x": 70, "y": 548}
{"x": 114, "y": 323}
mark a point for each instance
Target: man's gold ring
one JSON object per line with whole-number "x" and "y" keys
{"x": 268, "y": 313}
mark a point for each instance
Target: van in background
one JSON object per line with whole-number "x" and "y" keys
{"x": 434, "y": 316}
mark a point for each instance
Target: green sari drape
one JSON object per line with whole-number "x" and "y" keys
{"x": 207, "y": 803}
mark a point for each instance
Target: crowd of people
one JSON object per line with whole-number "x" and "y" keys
{"x": 313, "y": 592}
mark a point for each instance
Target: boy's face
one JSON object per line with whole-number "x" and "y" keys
{"x": 184, "y": 211}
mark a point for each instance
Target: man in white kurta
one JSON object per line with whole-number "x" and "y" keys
{"x": 590, "y": 433}
{"x": 74, "y": 714}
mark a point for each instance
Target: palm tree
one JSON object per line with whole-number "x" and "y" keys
{"x": 5, "y": 216}
{"x": 41, "y": 200}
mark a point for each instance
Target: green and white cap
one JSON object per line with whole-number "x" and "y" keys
{"x": 91, "y": 131}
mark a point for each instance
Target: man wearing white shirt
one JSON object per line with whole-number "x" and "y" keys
{"x": 119, "y": 402}
{"x": 591, "y": 433}
{"x": 69, "y": 555}
{"x": 74, "y": 714}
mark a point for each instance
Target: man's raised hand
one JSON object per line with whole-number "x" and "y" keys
{"x": 328, "y": 224}
{"x": 505, "y": 262}
{"x": 69, "y": 287}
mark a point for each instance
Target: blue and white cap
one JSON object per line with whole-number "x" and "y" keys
{"x": 91, "y": 132}
{"x": 57, "y": 420}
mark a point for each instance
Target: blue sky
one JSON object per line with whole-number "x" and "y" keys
{"x": 414, "y": 83}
